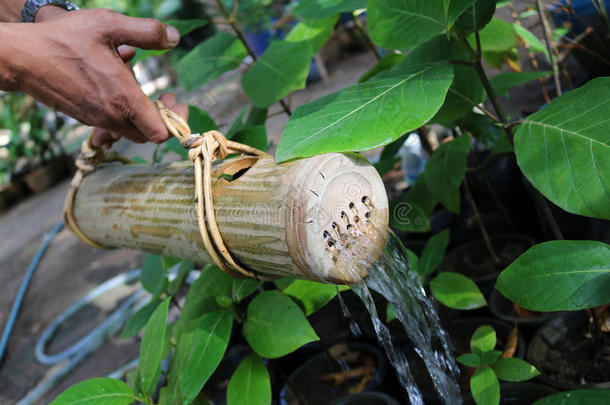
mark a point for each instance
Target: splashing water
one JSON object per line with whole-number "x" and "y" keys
{"x": 391, "y": 276}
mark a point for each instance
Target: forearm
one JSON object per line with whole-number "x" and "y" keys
{"x": 11, "y": 69}
{"x": 10, "y": 10}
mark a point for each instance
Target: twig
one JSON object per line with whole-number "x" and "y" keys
{"x": 531, "y": 57}
{"x": 367, "y": 39}
{"x": 546, "y": 210}
{"x": 477, "y": 215}
{"x": 549, "y": 44}
{"x": 481, "y": 171}
{"x": 502, "y": 117}
{"x": 242, "y": 38}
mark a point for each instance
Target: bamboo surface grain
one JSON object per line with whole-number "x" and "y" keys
{"x": 272, "y": 218}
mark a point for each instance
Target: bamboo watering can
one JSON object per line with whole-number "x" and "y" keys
{"x": 320, "y": 218}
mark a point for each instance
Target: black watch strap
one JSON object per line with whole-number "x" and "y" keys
{"x": 31, "y": 7}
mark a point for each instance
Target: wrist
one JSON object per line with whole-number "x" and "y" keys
{"x": 49, "y": 12}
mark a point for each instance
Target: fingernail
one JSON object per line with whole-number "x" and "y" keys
{"x": 173, "y": 36}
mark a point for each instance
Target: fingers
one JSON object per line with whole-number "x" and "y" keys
{"x": 169, "y": 100}
{"x": 144, "y": 33}
{"x": 126, "y": 52}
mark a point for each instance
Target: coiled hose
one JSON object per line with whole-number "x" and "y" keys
{"x": 76, "y": 353}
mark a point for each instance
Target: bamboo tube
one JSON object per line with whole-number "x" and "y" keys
{"x": 295, "y": 219}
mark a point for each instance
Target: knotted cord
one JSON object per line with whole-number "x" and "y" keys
{"x": 203, "y": 149}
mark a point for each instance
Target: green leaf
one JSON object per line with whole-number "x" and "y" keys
{"x": 456, "y": 291}
{"x": 311, "y": 294}
{"x": 479, "y": 15}
{"x": 386, "y": 63}
{"x": 198, "y": 354}
{"x": 484, "y": 130}
{"x": 253, "y": 136}
{"x": 388, "y": 158}
{"x": 316, "y": 9}
{"x": 403, "y": 24}
{"x": 279, "y": 71}
{"x": 390, "y": 315}
{"x": 466, "y": 89}
{"x": 413, "y": 260}
{"x": 531, "y": 40}
{"x": 575, "y": 397}
{"x": 485, "y": 387}
{"x": 445, "y": 171}
{"x": 456, "y": 8}
{"x": 256, "y": 116}
{"x": 208, "y": 60}
{"x": 152, "y": 276}
{"x": 578, "y": 271}
{"x": 250, "y": 384}
{"x": 139, "y": 319}
{"x": 181, "y": 272}
{"x": 503, "y": 82}
{"x": 200, "y": 121}
{"x": 514, "y": 370}
{"x": 244, "y": 287}
{"x": 275, "y": 325}
{"x": 183, "y": 26}
{"x": 483, "y": 339}
{"x": 316, "y": 32}
{"x": 421, "y": 196}
{"x": 469, "y": 359}
{"x": 237, "y": 124}
{"x": 433, "y": 253}
{"x": 408, "y": 216}
{"x": 564, "y": 150}
{"x": 151, "y": 349}
{"x": 201, "y": 297}
{"x": 97, "y": 391}
{"x": 367, "y": 115}
{"x": 490, "y": 357}
{"x": 497, "y": 36}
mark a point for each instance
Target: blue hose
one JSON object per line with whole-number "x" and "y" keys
{"x": 24, "y": 288}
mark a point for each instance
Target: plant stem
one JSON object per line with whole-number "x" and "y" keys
{"x": 546, "y": 210}
{"x": 549, "y": 44}
{"x": 366, "y": 37}
{"x": 481, "y": 171}
{"x": 240, "y": 35}
{"x": 531, "y": 57}
{"x": 477, "y": 215}
{"x": 507, "y": 128}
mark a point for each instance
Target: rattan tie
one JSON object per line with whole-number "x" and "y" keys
{"x": 203, "y": 149}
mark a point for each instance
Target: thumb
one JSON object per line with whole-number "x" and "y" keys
{"x": 145, "y": 33}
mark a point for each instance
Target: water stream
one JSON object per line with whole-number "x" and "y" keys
{"x": 391, "y": 277}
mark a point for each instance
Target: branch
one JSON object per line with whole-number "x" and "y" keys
{"x": 549, "y": 44}
{"x": 240, "y": 35}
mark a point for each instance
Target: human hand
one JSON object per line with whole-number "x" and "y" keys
{"x": 104, "y": 138}
{"x": 88, "y": 76}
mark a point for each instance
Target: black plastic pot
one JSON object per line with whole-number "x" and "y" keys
{"x": 307, "y": 378}
{"x": 523, "y": 393}
{"x": 366, "y": 398}
{"x": 474, "y": 261}
{"x": 563, "y": 355}
{"x": 502, "y": 308}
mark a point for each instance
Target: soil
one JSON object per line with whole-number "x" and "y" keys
{"x": 322, "y": 378}
{"x": 577, "y": 359}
